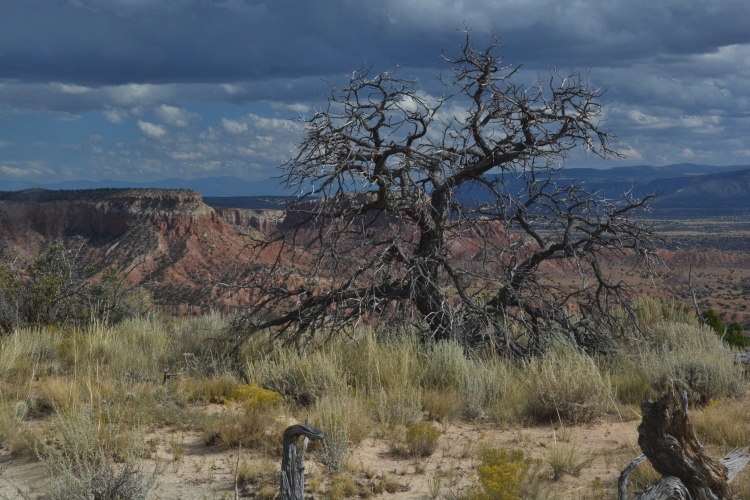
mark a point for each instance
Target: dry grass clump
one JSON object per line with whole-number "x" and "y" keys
{"x": 486, "y": 385}
{"x": 216, "y": 390}
{"x": 300, "y": 378}
{"x": 725, "y": 423}
{"x": 12, "y": 434}
{"x": 388, "y": 363}
{"x": 345, "y": 422}
{"x": 568, "y": 458}
{"x": 422, "y": 439}
{"x": 649, "y": 311}
{"x": 642, "y": 477}
{"x": 199, "y": 345}
{"x": 443, "y": 406}
{"x": 446, "y": 366}
{"x": 28, "y": 353}
{"x": 80, "y": 457}
{"x": 566, "y": 385}
{"x": 692, "y": 358}
{"x": 252, "y": 418}
{"x": 630, "y": 380}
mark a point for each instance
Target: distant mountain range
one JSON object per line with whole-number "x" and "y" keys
{"x": 223, "y": 186}
{"x": 684, "y": 188}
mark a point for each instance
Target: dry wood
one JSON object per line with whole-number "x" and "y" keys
{"x": 405, "y": 212}
{"x": 666, "y": 437}
{"x": 292, "y": 464}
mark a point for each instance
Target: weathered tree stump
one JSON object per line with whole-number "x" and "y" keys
{"x": 293, "y": 464}
{"x": 667, "y": 439}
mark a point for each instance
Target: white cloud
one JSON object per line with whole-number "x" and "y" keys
{"x": 688, "y": 153}
{"x": 151, "y": 130}
{"x": 14, "y": 171}
{"x": 185, "y": 156}
{"x": 134, "y": 94}
{"x": 233, "y": 126}
{"x": 67, "y": 88}
{"x": 294, "y": 107}
{"x": 114, "y": 115}
{"x": 24, "y": 169}
{"x": 631, "y": 153}
{"x": 177, "y": 117}
{"x": 232, "y": 89}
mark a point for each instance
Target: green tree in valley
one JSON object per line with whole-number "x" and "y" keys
{"x": 56, "y": 289}
{"x": 732, "y": 332}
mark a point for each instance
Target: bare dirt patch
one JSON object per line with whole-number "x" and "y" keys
{"x": 192, "y": 470}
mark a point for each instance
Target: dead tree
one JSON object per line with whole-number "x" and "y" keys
{"x": 446, "y": 213}
{"x": 667, "y": 439}
{"x": 293, "y": 464}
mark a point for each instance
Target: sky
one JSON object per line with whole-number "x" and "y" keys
{"x": 142, "y": 90}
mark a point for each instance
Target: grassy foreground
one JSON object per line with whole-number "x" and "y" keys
{"x": 105, "y": 410}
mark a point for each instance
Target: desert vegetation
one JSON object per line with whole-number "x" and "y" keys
{"x": 123, "y": 408}
{"x": 436, "y": 300}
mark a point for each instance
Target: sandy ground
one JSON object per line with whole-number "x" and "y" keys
{"x": 208, "y": 472}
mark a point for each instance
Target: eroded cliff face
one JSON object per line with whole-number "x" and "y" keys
{"x": 96, "y": 215}
{"x": 168, "y": 240}
{"x": 264, "y": 221}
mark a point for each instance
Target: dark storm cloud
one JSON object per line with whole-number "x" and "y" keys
{"x": 97, "y": 42}
{"x": 91, "y": 42}
{"x": 197, "y": 87}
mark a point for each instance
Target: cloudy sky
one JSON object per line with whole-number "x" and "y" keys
{"x": 153, "y": 89}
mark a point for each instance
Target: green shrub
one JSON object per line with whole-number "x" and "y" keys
{"x": 55, "y": 289}
{"x": 714, "y": 321}
{"x": 735, "y": 336}
{"x": 732, "y": 332}
{"x": 422, "y": 439}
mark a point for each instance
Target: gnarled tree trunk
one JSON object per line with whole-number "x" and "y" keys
{"x": 293, "y": 464}
{"x": 667, "y": 439}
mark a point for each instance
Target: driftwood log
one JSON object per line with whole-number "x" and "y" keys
{"x": 292, "y": 463}
{"x": 667, "y": 439}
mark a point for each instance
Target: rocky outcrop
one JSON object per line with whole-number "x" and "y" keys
{"x": 97, "y": 215}
{"x": 167, "y": 239}
{"x": 264, "y": 221}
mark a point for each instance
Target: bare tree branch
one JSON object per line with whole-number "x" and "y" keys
{"x": 408, "y": 210}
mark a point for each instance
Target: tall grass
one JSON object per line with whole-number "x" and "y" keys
{"x": 81, "y": 455}
{"x": 567, "y": 385}
{"x": 691, "y": 358}
{"x": 349, "y": 386}
{"x": 346, "y": 422}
